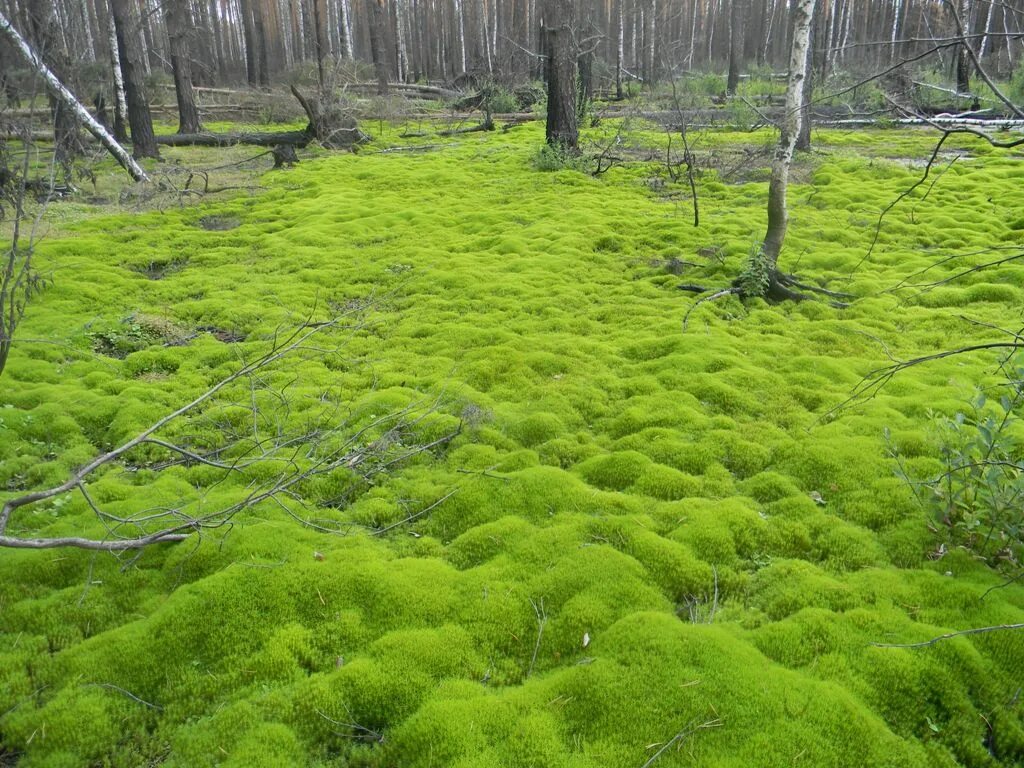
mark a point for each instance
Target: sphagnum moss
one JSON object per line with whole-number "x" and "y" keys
{"x": 653, "y": 530}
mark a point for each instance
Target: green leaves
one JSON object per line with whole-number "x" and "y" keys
{"x": 977, "y": 502}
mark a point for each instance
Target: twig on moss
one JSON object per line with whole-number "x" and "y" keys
{"x": 688, "y": 731}
{"x": 542, "y": 620}
{"x": 360, "y": 732}
{"x": 129, "y": 694}
{"x": 950, "y": 635}
{"x": 713, "y": 297}
{"x": 873, "y": 381}
{"x": 906, "y": 192}
{"x": 417, "y": 515}
{"x": 1006, "y": 583}
{"x": 330, "y": 445}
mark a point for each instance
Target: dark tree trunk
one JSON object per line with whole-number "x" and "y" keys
{"x": 586, "y": 81}
{"x": 249, "y": 36}
{"x": 562, "y": 130}
{"x": 377, "y": 38}
{"x": 220, "y": 55}
{"x": 139, "y": 118}
{"x": 735, "y": 45}
{"x": 178, "y": 25}
{"x": 963, "y": 69}
{"x": 262, "y": 61}
{"x": 322, "y": 43}
{"x": 620, "y": 43}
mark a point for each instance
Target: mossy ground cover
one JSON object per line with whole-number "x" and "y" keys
{"x": 635, "y": 548}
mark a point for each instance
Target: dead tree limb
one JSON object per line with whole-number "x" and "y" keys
{"x": 951, "y": 635}
{"x": 60, "y": 92}
{"x": 328, "y": 444}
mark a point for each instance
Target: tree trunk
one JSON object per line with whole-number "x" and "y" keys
{"x": 55, "y": 86}
{"x": 619, "y": 50}
{"x": 803, "y": 141}
{"x": 377, "y": 38}
{"x": 778, "y": 213}
{"x": 262, "y": 57}
{"x": 178, "y": 25}
{"x": 320, "y": 29}
{"x": 44, "y": 31}
{"x": 562, "y": 131}
{"x": 963, "y": 56}
{"x": 345, "y": 27}
{"x": 249, "y": 35}
{"x": 120, "y": 104}
{"x": 735, "y": 46}
{"x": 139, "y": 118}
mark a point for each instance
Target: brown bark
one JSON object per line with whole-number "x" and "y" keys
{"x": 377, "y": 38}
{"x": 322, "y": 43}
{"x": 562, "y": 130}
{"x": 735, "y": 45}
{"x": 178, "y": 24}
{"x": 139, "y": 118}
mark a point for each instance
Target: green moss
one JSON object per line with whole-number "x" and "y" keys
{"x": 649, "y": 529}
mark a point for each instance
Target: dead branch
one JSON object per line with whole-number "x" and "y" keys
{"x": 542, "y": 620}
{"x": 950, "y": 635}
{"x": 703, "y": 299}
{"x": 900, "y": 197}
{"x": 875, "y": 380}
{"x": 686, "y": 732}
{"x": 328, "y": 444}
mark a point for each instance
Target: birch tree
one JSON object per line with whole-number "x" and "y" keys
{"x": 56, "y": 87}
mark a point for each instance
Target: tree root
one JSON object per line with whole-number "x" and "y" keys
{"x": 781, "y": 287}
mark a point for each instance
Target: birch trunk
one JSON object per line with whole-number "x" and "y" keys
{"x": 778, "y": 211}
{"x": 346, "y": 29}
{"x": 68, "y": 99}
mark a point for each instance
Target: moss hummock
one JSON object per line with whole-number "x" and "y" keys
{"x": 654, "y": 532}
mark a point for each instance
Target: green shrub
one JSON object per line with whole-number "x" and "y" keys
{"x": 554, "y": 158}
{"x": 975, "y": 502}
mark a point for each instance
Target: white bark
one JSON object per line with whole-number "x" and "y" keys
{"x": 462, "y": 35}
{"x": 778, "y": 214}
{"x": 120, "y": 104}
{"x": 403, "y": 55}
{"x": 988, "y": 31}
{"x": 68, "y": 99}
{"x": 347, "y": 24}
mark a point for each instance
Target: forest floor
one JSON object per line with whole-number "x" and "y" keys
{"x": 664, "y": 547}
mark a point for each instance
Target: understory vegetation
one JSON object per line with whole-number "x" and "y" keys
{"x": 641, "y": 537}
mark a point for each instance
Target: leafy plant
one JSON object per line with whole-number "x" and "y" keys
{"x": 977, "y": 501}
{"x": 552, "y": 158}
{"x": 755, "y": 277}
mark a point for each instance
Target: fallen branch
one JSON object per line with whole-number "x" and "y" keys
{"x": 258, "y": 139}
{"x": 56, "y": 87}
{"x": 950, "y": 635}
{"x": 327, "y": 445}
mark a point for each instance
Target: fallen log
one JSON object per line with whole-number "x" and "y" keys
{"x": 259, "y": 139}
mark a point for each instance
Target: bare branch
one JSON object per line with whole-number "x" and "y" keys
{"x": 950, "y": 635}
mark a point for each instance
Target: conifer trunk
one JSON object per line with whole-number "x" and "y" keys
{"x": 377, "y": 38}
{"x": 562, "y": 130}
{"x": 178, "y": 24}
{"x": 139, "y": 118}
